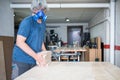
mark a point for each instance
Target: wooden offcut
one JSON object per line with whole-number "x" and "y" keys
{"x": 46, "y": 57}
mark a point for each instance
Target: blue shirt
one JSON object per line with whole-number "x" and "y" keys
{"x": 34, "y": 33}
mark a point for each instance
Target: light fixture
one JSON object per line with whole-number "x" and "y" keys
{"x": 14, "y": 15}
{"x": 67, "y": 19}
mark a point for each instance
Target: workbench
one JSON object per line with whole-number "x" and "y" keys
{"x": 73, "y": 51}
{"x": 73, "y": 71}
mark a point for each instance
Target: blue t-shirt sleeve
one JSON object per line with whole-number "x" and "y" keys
{"x": 24, "y": 28}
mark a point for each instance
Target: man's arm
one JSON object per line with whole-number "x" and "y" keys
{"x": 20, "y": 42}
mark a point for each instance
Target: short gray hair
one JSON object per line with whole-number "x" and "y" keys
{"x": 38, "y": 4}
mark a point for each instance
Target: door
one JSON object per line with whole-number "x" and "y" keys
{"x": 74, "y": 35}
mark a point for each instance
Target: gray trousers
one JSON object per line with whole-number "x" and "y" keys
{"x": 18, "y": 68}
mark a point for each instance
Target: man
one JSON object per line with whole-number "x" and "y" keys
{"x": 29, "y": 41}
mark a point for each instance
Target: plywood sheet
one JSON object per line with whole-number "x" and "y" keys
{"x": 73, "y": 71}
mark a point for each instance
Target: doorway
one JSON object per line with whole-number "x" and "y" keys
{"x": 74, "y": 34}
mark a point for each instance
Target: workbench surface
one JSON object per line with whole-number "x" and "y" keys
{"x": 73, "y": 71}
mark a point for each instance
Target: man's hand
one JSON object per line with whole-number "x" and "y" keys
{"x": 40, "y": 59}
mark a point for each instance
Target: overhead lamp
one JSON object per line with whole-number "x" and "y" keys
{"x": 14, "y": 15}
{"x": 67, "y": 19}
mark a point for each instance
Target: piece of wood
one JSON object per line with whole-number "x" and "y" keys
{"x": 92, "y": 54}
{"x": 95, "y": 53}
{"x": 8, "y": 43}
{"x": 2, "y": 63}
{"x": 99, "y": 54}
{"x": 87, "y": 54}
{"x": 46, "y": 57}
{"x": 98, "y": 42}
{"x": 73, "y": 71}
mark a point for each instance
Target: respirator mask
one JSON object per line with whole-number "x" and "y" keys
{"x": 40, "y": 15}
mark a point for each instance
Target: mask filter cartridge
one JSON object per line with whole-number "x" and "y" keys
{"x": 40, "y": 15}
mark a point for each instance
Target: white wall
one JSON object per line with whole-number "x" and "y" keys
{"x": 99, "y": 30}
{"x": 117, "y": 37}
{"x": 99, "y": 26}
{"x": 6, "y": 19}
{"x": 62, "y": 29}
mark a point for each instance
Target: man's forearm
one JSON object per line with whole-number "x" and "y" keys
{"x": 20, "y": 42}
{"x": 26, "y": 49}
{"x": 43, "y": 47}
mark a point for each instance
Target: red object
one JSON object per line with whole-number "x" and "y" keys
{"x": 106, "y": 46}
{"x": 117, "y": 47}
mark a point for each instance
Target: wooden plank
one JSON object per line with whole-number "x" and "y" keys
{"x": 2, "y": 63}
{"x": 92, "y": 54}
{"x": 99, "y": 54}
{"x": 98, "y": 42}
{"x": 8, "y": 43}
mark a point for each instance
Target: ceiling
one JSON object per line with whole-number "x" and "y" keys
{"x": 58, "y": 15}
